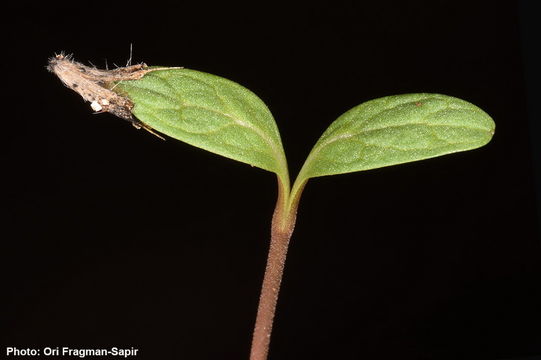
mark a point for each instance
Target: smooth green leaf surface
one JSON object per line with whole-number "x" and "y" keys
{"x": 208, "y": 112}
{"x": 397, "y": 129}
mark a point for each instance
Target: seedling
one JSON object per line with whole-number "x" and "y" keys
{"x": 223, "y": 117}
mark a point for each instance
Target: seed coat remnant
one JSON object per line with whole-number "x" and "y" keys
{"x": 95, "y": 85}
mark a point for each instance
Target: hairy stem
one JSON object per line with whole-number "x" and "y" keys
{"x": 283, "y": 222}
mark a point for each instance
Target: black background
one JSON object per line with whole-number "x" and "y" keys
{"x": 117, "y": 238}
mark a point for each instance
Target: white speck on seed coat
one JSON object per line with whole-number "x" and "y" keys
{"x": 95, "y": 106}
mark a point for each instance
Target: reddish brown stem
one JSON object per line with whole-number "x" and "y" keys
{"x": 283, "y": 222}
